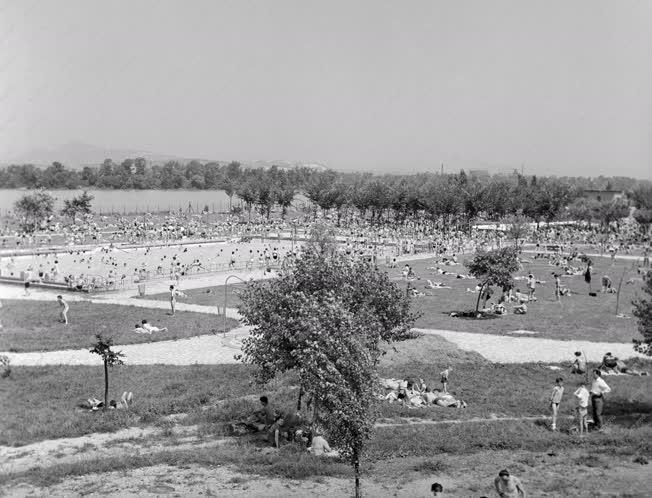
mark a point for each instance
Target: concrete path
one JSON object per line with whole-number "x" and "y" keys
{"x": 502, "y": 349}
{"x": 220, "y": 349}
{"x": 8, "y": 292}
{"x": 216, "y": 349}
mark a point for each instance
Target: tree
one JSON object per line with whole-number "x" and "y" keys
{"x": 518, "y": 228}
{"x": 643, "y": 311}
{"x": 231, "y": 181}
{"x": 644, "y": 218}
{"x": 493, "y": 268}
{"x": 610, "y": 212}
{"x": 34, "y": 210}
{"x": 77, "y": 205}
{"x": 110, "y": 359}
{"x": 325, "y": 318}
{"x": 642, "y": 196}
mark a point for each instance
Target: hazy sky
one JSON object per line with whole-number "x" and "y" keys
{"x": 564, "y": 87}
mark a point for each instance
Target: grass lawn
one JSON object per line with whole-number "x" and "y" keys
{"x": 205, "y": 296}
{"x": 43, "y": 399}
{"x": 34, "y": 326}
{"x": 578, "y": 317}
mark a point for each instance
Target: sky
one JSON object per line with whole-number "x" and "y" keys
{"x": 556, "y": 87}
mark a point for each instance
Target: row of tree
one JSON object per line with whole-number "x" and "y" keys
{"x": 138, "y": 173}
{"x": 446, "y": 198}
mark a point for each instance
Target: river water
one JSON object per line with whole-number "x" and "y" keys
{"x": 132, "y": 201}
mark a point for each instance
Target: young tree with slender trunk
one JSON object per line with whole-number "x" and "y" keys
{"x": 110, "y": 358}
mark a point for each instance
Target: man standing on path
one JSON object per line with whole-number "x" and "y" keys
{"x": 508, "y": 486}
{"x": 598, "y": 389}
{"x": 63, "y": 310}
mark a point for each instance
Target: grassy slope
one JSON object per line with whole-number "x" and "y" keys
{"x": 43, "y": 399}
{"x": 579, "y": 317}
{"x": 33, "y": 325}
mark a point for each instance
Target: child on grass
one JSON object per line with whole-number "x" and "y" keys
{"x": 444, "y": 378}
{"x": 555, "y": 399}
{"x": 582, "y": 399}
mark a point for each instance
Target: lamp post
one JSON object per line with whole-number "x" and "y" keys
{"x": 225, "y": 296}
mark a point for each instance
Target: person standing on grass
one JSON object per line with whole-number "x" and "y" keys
{"x": 63, "y": 310}
{"x": 444, "y": 378}
{"x": 598, "y": 389}
{"x": 582, "y": 398}
{"x": 508, "y": 486}
{"x": 555, "y": 399}
{"x": 531, "y": 287}
{"x": 173, "y": 299}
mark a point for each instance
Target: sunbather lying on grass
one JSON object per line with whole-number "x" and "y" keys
{"x": 95, "y": 404}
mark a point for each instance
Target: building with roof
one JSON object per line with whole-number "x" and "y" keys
{"x": 603, "y": 195}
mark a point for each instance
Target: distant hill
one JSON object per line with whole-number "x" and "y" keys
{"x": 76, "y": 155}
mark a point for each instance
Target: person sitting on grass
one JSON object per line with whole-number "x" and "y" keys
{"x": 520, "y": 297}
{"x": 319, "y": 446}
{"x": 508, "y": 486}
{"x": 607, "y": 285}
{"x": 266, "y": 416}
{"x": 520, "y": 309}
{"x": 609, "y": 363}
{"x": 498, "y": 309}
{"x": 284, "y": 426}
{"x": 436, "y": 488}
{"x": 447, "y": 400}
{"x": 429, "y": 397}
{"x": 579, "y": 364}
{"x": 150, "y": 328}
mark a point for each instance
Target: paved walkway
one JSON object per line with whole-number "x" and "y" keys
{"x": 502, "y": 349}
{"x": 220, "y": 349}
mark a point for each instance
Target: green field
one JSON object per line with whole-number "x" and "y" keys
{"x": 44, "y": 399}
{"x": 579, "y": 316}
{"x": 462, "y": 452}
{"x": 34, "y": 326}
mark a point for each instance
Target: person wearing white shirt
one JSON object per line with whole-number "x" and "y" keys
{"x": 598, "y": 389}
{"x": 582, "y": 398}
